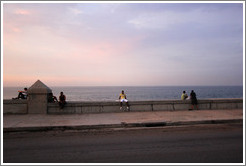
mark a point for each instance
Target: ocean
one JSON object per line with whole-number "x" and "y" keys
{"x": 135, "y": 93}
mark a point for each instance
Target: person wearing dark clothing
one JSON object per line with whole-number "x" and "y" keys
{"x": 52, "y": 98}
{"x": 62, "y": 100}
{"x": 22, "y": 94}
{"x": 193, "y": 100}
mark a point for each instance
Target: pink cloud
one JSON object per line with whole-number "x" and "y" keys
{"x": 28, "y": 80}
{"x": 22, "y": 12}
{"x": 97, "y": 50}
{"x": 16, "y": 80}
{"x": 15, "y": 29}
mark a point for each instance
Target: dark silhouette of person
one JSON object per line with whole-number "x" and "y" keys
{"x": 22, "y": 94}
{"x": 52, "y": 98}
{"x": 193, "y": 100}
{"x": 62, "y": 100}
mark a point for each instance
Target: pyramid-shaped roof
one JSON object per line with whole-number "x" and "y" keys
{"x": 39, "y": 88}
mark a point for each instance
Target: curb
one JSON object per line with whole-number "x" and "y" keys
{"x": 122, "y": 125}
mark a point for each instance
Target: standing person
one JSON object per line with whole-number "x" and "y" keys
{"x": 184, "y": 96}
{"x": 22, "y": 94}
{"x": 62, "y": 100}
{"x": 193, "y": 100}
{"x": 122, "y": 99}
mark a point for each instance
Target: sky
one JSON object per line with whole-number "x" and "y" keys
{"x": 117, "y": 44}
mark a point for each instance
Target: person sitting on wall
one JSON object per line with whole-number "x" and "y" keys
{"x": 122, "y": 99}
{"x": 62, "y": 100}
{"x": 52, "y": 98}
{"x": 184, "y": 96}
{"x": 22, "y": 94}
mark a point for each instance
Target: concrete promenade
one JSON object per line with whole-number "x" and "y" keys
{"x": 44, "y": 122}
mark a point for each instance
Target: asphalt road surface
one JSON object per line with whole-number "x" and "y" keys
{"x": 220, "y": 143}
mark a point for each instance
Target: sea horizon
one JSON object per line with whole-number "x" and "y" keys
{"x": 135, "y": 93}
{"x": 128, "y": 86}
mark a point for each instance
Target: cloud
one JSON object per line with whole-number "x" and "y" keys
{"x": 127, "y": 44}
{"x": 161, "y": 20}
{"x": 22, "y": 12}
{"x": 76, "y": 11}
{"x": 199, "y": 16}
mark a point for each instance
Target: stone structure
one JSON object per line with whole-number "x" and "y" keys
{"x": 141, "y": 106}
{"x": 38, "y": 98}
{"x": 80, "y": 107}
{"x": 15, "y": 106}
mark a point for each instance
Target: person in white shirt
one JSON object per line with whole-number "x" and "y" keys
{"x": 22, "y": 94}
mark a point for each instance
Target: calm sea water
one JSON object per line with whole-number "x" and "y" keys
{"x": 135, "y": 93}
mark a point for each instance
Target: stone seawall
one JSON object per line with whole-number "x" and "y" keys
{"x": 15, "y": 106}
{"x": 21, "y": 106}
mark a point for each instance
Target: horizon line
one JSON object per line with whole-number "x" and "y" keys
{"x": 125, "y": 86}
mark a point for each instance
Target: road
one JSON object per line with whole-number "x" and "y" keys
{"x": 211, "y": 143}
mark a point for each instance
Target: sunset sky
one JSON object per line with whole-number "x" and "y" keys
{"x": 115, "y": 44}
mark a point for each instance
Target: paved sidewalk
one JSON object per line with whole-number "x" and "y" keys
{"x": 32, "y": 122}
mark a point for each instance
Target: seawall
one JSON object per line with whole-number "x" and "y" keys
{"x": 82, "y": 107}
